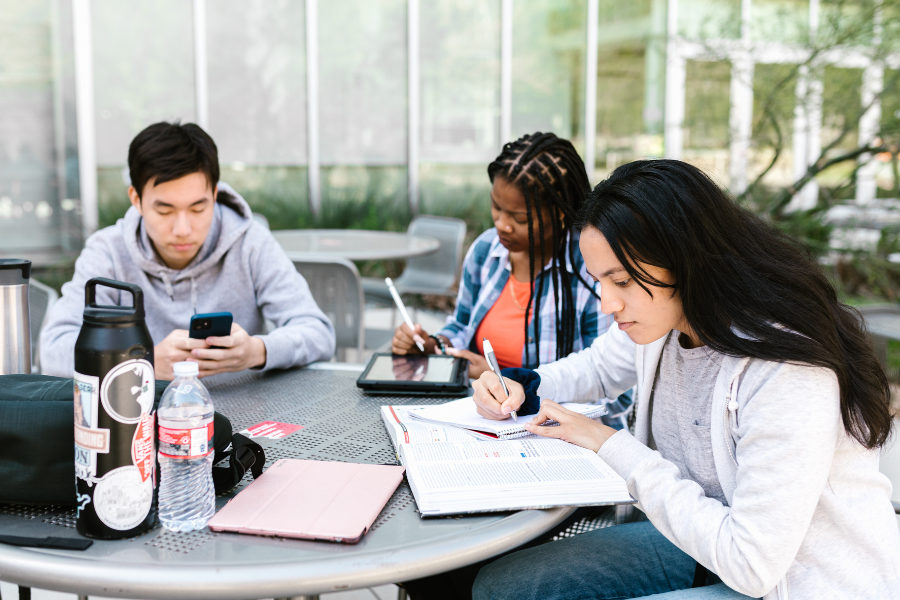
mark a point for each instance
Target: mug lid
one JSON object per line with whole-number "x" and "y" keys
{"x": 14, "y": 271}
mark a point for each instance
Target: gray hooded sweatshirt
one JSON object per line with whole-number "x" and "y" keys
{"x": 240, "y": 268}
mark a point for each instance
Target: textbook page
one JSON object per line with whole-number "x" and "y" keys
{"x": 403, "y": 429}
{"x": 463, "y": 413}
{"x": 479, "y": 476}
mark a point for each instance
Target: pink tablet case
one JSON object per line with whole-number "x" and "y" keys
{"x": 311, "y": 499}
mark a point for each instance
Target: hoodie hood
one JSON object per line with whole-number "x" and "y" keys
{"x": 231, "y": 220}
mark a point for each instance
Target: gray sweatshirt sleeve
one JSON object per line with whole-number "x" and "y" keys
{"x": 57, "y": 342}
{"x": 604, "y": 370}
{"x": 303, "y": 333}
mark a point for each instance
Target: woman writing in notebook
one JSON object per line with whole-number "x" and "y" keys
{"x": 760, "y": 410}
{"x": 524, "y": 286}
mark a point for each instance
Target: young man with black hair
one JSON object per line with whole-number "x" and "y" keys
{"x": 192, "y": 245}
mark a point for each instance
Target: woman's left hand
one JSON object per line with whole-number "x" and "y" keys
{"x": 573, "y": 427}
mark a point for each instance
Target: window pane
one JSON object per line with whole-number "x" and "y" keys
{"x": 257, "y": 81}
{"x": 630, "y": 82}
{"x": 460, "y": 80}
{"x": 709, "y": 19}
{"x": 34, "y": 173}
{"x": 779, "y": 20}
{"x": 548, "y": 68}
{"x": 707, "y": 104}
{"x": 143, "y": 70}
{"x": 362, "y": 72}
{"x": 774, "y": 97}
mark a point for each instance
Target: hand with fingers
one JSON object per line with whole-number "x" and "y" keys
{"x": 176, "y": 347}
{"x": 490, "y": 399}
{"x": 404, "y": 341}
{"x": 478, "y": 364}
{"x": 574, "y": 428}
{"x": 234, "y": 352}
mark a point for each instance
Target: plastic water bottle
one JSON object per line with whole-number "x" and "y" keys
{"x": 187, "y": 498}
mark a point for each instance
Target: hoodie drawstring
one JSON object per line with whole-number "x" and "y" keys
{"x": 171, "y": 291}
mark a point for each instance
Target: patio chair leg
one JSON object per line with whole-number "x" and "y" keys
{"x": 82, "y": 598}
{"x": 401, "y": 594}
{"x": 24, "y": 593}
{"x": 309, "y": 597}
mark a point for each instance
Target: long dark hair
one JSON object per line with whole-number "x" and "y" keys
{"x": 548, "y": 172}
{"x": 735, "y": 272}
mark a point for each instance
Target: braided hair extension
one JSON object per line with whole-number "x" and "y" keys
{"x": 548, "y": 172}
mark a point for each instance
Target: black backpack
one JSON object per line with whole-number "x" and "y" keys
{"x": 37, "y": 442}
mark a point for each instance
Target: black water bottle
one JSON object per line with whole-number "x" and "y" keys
{"x": 115, "y": 458}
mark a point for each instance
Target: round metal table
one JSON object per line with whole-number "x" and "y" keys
{"x": 353, "y": 244}
{"x": 340, "y": 423}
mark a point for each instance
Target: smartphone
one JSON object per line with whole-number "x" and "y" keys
{"x": 210, "y": 324}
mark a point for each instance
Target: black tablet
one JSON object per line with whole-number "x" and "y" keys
{"x": 435, "y": 373}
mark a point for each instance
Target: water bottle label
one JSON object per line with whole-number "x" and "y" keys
{"x": 142, "y": 454}
{"x": 89, "y": 439}
{"x": 186, "y": 443}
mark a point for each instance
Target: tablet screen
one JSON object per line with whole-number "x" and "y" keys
{"x": 435, "y": 368}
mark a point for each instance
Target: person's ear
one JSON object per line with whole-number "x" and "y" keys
{"x": 216, "y": 193}
{"x": 135, "y": 199}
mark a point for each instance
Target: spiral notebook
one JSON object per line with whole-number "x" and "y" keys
{"x": 462, "y": 414}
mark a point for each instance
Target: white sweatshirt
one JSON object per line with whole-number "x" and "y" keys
{"x": 809, "y": 515}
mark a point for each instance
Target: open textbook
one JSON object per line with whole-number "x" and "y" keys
{"x": 462, "y": 413}
{"x": 452, "y": 472}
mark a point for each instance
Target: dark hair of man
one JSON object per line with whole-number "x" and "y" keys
{"x": 169, "y": 151}
{"x": 746, "y": 289}
{"x": 549, "y": 173}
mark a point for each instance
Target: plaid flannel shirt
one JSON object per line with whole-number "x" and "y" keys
{"x": 486, "y": 270}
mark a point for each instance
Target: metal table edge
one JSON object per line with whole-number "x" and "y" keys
{"x": 69, "y": 573}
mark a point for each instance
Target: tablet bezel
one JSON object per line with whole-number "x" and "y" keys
{"x": 458, "y": 382}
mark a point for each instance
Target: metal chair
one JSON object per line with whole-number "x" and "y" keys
{"x": 335, "y": 286}
{"x": 261, "y": 219}
{"x": 40, "y": 298}
{"x": 434, "y": 274}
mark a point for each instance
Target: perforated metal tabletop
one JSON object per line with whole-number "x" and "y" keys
{"x": 340, "y": 423}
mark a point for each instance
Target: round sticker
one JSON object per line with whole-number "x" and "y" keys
{"x": 128, "y": 391}
{"x": 122, "y": 499}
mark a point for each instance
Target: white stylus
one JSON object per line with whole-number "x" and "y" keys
{"x": 418, "y": 339}
{"x": 495, "y": 367}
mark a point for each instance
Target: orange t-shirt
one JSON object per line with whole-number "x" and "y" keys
{"x": 504, "y": 324}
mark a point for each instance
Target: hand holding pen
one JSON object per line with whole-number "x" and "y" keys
{"x": 495, "y": 367}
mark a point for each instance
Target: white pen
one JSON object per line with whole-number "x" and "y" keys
{"x": 418, "y": 339}
{"x": 495, "y": 367}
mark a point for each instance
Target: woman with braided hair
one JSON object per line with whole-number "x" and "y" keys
{"x": 528, "y": 264}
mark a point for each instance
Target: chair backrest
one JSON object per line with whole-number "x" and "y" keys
{"x": 40, "y": 298}
{"x": 261, "y": 219}
{"x": 335, "y": 285}
{"x": 438, "y": 271}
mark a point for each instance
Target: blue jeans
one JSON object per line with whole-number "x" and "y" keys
{"x": 625, "y": 561}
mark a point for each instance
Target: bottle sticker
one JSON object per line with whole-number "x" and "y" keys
{"x": 142, "y": 454}
{"x": 128, "y": 391}
{"x": 186, "y": 443}
{"x": 123, "y": 499}
{"x": 89, "y": 440}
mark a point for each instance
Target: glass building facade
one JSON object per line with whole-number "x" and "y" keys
{"x": 362, "y": 113}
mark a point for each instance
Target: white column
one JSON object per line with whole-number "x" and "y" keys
{"x": 590, "y": 89}
{"x": 675, "y": 81}
{"x": 201, "y": 80}
{"x": 84, "y": 113}
{"x": 807, "y": 138}
{"x": 869, "y": 126}
{"x": 741, "y": 114}
{"x": 870, "y": 121}
{"x": 312, "y": 104}
{"x": 506, "y": 55}
{"x": 412, "y": 53}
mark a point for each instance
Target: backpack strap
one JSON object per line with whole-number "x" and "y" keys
{"x": 245, "y": 455}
